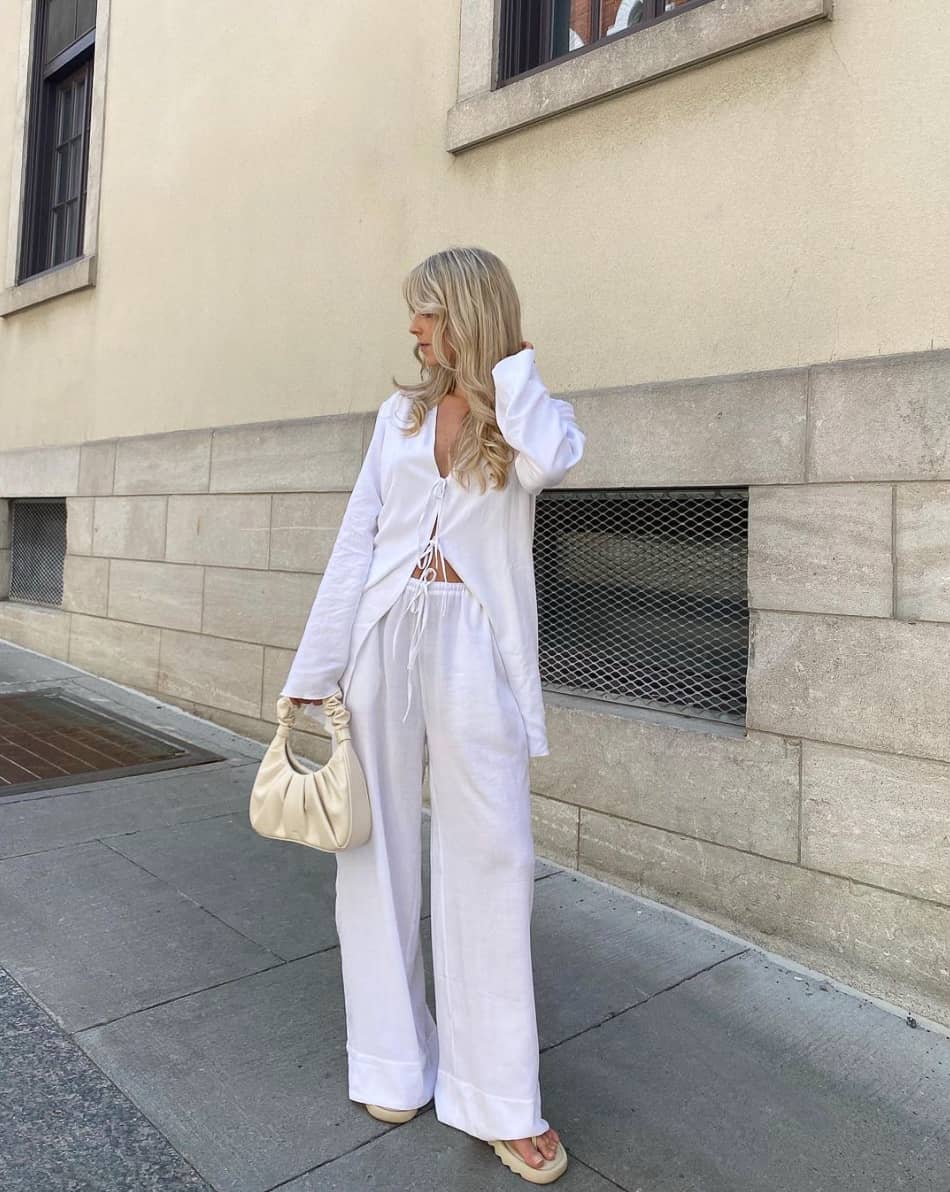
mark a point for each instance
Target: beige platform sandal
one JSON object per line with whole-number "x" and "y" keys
{"x": 391, "y": 1115}
{"x": 547, "y": 1173}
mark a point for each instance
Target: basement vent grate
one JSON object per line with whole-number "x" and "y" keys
{"x": 642, "y": 597}
{"x": 37, "y": 551}
{"x": 49, "y": 740}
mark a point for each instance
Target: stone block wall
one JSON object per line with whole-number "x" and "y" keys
{"x": 822, "y": 831}
{"x": 192, "y": 558}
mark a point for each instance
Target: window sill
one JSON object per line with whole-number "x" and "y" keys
{"x": 674, "y": 720}
{"x": 35, "y": 606}
{"x": 631, "y": 60}
{"x": 64, "y": 279}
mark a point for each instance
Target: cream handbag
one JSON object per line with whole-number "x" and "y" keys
{"x": 326, "y": 809}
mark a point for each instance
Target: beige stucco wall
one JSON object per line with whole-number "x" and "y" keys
{"x": 265, "y": 187}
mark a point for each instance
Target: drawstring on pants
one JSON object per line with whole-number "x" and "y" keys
{"x": 418, "y": 602}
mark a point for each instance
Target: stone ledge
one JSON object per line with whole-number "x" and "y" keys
{"x": 746, "y": 428}
{"x": 880, "y": 418}
{"x": 40, "y": 472}
{"x": 171, "y": 462}
{"x": 732, "y": 429}
{"x": 619, "y": 64}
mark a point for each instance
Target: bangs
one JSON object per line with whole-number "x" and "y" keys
{"x": 421, "y": 292}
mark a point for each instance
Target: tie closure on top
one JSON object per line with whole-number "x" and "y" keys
{"x": 429, "y": 556}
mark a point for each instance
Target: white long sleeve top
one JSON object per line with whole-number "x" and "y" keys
{"x": 487, "y": 537}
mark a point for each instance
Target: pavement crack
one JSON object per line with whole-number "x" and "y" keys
{"x": 194, "y": 901}
{"x": 590, "y": 1167}
{"x": 38, "y": 852}
{"x": 643, "y": 1001}
{"x": 178, "y": 997}
{"x": 343, "y": 1154}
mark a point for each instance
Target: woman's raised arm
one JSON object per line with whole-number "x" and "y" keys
{"x": 542, "y": 429}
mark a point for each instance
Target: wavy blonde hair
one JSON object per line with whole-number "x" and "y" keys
{"x": 478, "y": 314}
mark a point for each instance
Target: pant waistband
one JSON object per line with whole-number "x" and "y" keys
{"x": 436, "y": 585}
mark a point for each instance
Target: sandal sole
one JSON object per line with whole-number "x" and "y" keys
{"x": 391, "y": 1115}
{"x": 552, "y": 1169}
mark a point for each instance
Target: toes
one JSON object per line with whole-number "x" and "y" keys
{"x": 534, "y": 1156}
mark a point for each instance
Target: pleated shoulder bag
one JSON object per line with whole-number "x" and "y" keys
{"x": 326, "y": 809}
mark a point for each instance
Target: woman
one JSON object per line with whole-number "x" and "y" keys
{"x": 425, "y": 622}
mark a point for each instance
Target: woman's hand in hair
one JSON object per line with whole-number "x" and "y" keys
{"x": 525, "y": 343}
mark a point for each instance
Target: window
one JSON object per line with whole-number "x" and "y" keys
{"x": 58, "y": 138}
{"x": 535, "y": 33}
{"x": 38, "y": 550}
{"x": 522, "y": 61}
{"x": 642, "y": 597}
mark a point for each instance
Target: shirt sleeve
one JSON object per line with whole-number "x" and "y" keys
{"x": 542, "y": 429}
{"x": 323, "y": 652}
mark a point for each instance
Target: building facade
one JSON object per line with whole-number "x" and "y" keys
{"x": 728, "y": 220}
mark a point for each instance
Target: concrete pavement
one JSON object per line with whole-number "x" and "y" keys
{"x": 171, "y": 1017}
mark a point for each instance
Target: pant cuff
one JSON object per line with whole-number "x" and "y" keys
{"x": 394, "y": 1084}
{"x": 462, "y": 1105}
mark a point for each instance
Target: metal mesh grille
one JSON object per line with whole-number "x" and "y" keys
{"x": 642, "y": 597}
{"x": 38, "y": 551}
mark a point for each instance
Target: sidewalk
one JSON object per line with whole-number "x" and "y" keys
{"x": 171, "y": 1017}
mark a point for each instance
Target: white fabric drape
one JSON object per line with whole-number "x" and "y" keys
{"x": 487, "y": 537}
{"x": 480, "y": 1060}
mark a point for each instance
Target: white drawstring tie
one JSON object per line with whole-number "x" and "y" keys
{"x": 418, "y": 602}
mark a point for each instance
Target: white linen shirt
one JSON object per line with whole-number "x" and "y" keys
{"x": 486, "y": 536}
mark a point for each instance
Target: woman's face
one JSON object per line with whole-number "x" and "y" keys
{"x": 422, "y": 326}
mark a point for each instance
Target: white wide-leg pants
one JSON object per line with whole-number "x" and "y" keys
{"x": 434, "y": 651}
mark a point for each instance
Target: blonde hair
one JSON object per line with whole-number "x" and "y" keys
{"x": 471, "y": 293}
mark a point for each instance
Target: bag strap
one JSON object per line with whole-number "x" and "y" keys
{"x": 337, "y": 713}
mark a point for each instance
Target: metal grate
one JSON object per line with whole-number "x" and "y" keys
{"x": 49, "y": 740}
{"x": 642, "y": 597}
{"x": 38, "y": 550}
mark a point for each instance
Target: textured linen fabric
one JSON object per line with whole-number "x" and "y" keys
{"x": 486, "y": 536}
{"x": 480, "y": 1058}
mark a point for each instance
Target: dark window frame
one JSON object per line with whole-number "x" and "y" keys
{"x": 47, "y": 79}
{"x": 526, "y": 31}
